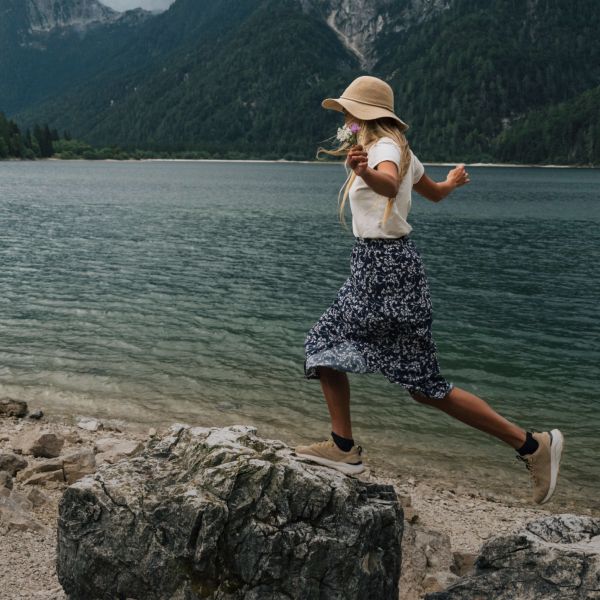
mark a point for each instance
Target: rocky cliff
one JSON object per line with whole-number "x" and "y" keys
{"x": 45, "y": 15}
{"x": 357, "y": 23}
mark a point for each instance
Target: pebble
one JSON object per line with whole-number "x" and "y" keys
{"x": 9, "y": 407}
{"x": 89, "y": 424}
{"x": 42, "y": 444}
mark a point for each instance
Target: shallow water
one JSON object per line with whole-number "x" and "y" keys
{"x": 164, "y": 292}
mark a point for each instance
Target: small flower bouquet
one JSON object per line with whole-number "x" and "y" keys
{"x": 348, "y": 134}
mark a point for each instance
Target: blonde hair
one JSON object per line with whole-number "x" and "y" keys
{"x": 370, "y": 132}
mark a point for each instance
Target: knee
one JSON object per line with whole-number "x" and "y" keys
{"x": 422, "y": 398}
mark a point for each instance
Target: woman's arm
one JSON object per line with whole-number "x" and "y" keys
{"x": 383, "y": 179}
{"x": 436, "y": 191}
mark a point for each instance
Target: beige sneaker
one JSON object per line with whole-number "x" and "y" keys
{"x": 544, "y": 464}
{"x": 327, "y": 453}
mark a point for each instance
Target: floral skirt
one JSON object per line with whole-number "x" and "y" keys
{"x": 380, "y": 320}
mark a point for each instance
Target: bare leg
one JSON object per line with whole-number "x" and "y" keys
{"x": 474, "y": 411}
{"x": 336, "y": 389}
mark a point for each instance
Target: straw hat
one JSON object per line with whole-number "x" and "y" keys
{"x": 366, "y": 98}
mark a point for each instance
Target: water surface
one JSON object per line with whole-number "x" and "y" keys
{"x": 182, "y": 291}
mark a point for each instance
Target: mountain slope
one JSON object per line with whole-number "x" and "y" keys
{"x": 227, "y": 75}
{"x": 245, "y": 82}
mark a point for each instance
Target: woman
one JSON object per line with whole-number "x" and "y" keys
{"x": 381, "y": 318}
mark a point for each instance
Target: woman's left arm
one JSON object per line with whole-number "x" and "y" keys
{"x": 383, "y": 179}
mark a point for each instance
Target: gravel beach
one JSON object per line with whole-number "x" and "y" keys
{"x": 445, "y": 524}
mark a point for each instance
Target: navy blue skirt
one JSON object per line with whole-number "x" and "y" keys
{"x": 380, "y": 320}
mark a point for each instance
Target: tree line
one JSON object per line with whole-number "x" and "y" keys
{"x": 36, "y": 143}
{"x": 43, "y": 142}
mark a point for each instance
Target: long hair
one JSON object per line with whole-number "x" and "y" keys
{"x": 371, "y": 131}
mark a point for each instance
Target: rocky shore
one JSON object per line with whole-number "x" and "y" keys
{"x": 41, "y": 456}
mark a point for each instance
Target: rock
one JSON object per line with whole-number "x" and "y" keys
{"x": 554, "y": 558}
{"x": 89, "y": 424}
{"x": 36, "y": 414}
{"x": 410, "y": 514}
{"x": 78, "y": 464}
{"x": 69, "y": 467}
{"x": 47, "y": 466}
{"x": 113, "y": 449}
{"x": 426, "y": 561}
{"x": 439, "y": 581}
{"x": 6, "y": 480}
{"x": 114, "y": 425}
{"x": 45, "y": 477}
{"x": 152, "y": 432}
{"x": 72, "y": 437}
{"x": 14, "y": 513}
{"x": 20, "y": 501}
{"x": 37, "y": 497}
{"x": 12, "y": 408}
{"x": 19, "y": 521}
{"x": 464, "y": 563}
{"x": 47, "y": 471}
{"x": 43, "y": 444}
{"x": 11, "y": 462}
{"x": 221, "y": 513}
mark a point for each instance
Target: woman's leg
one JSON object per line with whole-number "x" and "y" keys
{"x": 474, "y": 411}
{"x": 336, "y": 389}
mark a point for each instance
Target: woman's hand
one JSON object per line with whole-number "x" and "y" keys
{"x": 357, "y": 160}
{"x": 458, "y": 176}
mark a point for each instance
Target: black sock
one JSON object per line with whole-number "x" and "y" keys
{"x": 344, "y": 444}
{"x": 530, "y": 445}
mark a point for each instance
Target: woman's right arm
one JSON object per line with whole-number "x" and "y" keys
{"x": 436, "y": 191}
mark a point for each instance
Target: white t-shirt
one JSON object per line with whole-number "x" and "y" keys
{"x": 367, "y": 206}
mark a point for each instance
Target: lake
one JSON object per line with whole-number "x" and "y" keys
{"x": 182, "y": 291}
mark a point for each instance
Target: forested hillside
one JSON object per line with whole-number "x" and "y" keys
{"x": 481, "y": 68}
{"x": 504, "y": 80}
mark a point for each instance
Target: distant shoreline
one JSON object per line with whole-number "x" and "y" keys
{"x": 305, "y": 162}
{"x": 319, "y": 162}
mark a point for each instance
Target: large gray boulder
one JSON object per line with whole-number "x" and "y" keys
{"x": 554, "y": 558}
{"x": 222, "y": 514}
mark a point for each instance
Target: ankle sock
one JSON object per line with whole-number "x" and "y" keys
{"x": 342, "y": 443}
{"x": 530, "y": 445}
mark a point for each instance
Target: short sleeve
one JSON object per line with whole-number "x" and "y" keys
{"x": 417, "y": 169}
{"x": 383, "y": 150}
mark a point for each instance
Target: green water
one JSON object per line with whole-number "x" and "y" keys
{"x": 168, "y": 291}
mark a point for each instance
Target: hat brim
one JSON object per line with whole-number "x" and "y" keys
{"x": 365, "y": 112}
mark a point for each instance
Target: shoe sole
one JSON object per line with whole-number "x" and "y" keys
{"x": 345, "y": 468}
{"x": 556, "y": 448}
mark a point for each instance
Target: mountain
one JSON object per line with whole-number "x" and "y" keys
{"x": 223, "y": 75}
{"x": 47, "y": 46}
